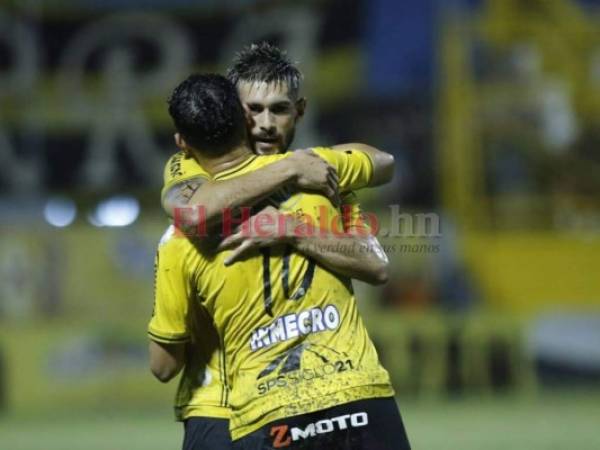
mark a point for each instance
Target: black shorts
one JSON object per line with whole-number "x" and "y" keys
{"x": 206, "y": 433}
{"x": 373, "y": 424}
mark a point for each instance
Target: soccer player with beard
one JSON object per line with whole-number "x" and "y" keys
{"x": 269, "y": 86}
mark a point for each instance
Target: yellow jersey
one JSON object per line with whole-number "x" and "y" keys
{"x": 201, "y": 390}
{"x": 290, "y": 334}
{"x": 178, "y": 319}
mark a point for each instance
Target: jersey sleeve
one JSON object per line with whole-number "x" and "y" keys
{"x": 352, "y": 216}
{"x": 354, "y": 167}
{"x": 169, "y": 323}
{"x": 178, "y": 169}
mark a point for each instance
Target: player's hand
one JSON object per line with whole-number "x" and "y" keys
{"x": 313, "y": 173}
{"x": 264, "y": 229}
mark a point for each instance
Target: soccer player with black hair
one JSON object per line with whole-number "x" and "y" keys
{"x": 297, "y": 365}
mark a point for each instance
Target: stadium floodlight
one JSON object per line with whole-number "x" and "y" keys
{"x": 118, "y": 211}
{"x": 60, "y": 211}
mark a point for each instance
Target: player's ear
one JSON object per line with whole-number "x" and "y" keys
{"x": 181, "y": 145}
{"x": 301, "y": 106}
{"x": 179, "y": 141}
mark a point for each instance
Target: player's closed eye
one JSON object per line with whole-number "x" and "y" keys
{"x": 255, "y": 108}
{"x": 280, "y": 108}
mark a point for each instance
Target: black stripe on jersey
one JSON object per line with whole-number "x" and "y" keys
{"x": 223, "y": 368}
{"x": 285, "y": 274}
{"x": 266, "y": 252}
{"x": 222, "y": 374}
{"x": 168, "y": 340}
{"x": 285, "y": 271}
{"x": 306, "y": 281}
{"x": 156, "y": 262}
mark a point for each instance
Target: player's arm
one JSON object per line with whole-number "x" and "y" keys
{"x": 168, "y": 329}
{"x": 303, "y": 169}
{"x": 353, "y": 252}
{"x": 353, "y": 255}
{"x": 383, "y": 163}
{"x": 356, "y": 253}
{"x": 358, "y": 165}
{"x": 166, "y": 360}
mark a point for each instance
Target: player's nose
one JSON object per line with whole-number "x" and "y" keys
{"x": 266, "y": 124}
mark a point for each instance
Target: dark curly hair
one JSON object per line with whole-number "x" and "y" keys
{"x": 208, "y": 114}
{"x": 264, "y": 62}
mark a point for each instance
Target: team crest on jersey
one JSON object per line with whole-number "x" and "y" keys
{"x": 288, "y": 361}
{"x": 291, "y": 360}
{"x": 286, "y": 369}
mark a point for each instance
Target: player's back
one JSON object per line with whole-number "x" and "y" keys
{"x": 290, "y": 330}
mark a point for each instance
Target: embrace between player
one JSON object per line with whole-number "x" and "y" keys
{"x": 266, "y": 326}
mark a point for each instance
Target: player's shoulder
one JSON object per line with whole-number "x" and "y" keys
{"x": 175, "y": 249}
{"x": 180, "y": 167}
{"x": 317, "y": 149}
{"x": 173, "y": 166}
{"x": 320, "y": 148}
{"x": 167, "y": 236}
{"x": 266, "y": 159}
{"x": 258, "y": 162}
{"x": 173, "y": 240}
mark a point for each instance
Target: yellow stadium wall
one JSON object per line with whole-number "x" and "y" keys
{"x": 528, "y": 273}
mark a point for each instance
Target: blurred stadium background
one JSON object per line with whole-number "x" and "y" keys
{"x": 490, "y": 325}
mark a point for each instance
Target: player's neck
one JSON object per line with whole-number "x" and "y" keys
{"x": 235, "y": 157}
